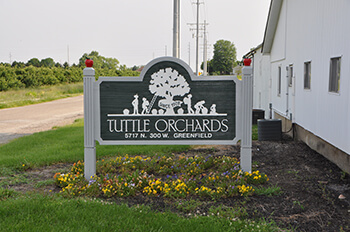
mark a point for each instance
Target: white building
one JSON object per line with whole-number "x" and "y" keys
{"x": 303, "y": 70}
{"x": 261, "y": 80}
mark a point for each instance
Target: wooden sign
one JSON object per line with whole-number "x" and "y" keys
{"x": 167, "y": 104}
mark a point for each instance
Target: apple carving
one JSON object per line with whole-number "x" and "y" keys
{"x": 89, "y": 63}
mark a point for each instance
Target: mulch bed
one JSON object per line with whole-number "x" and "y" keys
{"x": 310, "y": 184}
{"x": 311, "y": 187}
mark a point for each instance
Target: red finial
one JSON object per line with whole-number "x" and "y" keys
{"x": 247, "y": 62}
{"x": 89, "y": 63}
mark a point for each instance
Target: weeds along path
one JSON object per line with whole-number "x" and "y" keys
{"x": 20, "y": 121}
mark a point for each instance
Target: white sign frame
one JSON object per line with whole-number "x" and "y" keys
{"x": 92, "y": 127}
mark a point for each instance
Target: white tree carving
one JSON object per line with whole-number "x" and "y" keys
{"x": 168, "y": 83}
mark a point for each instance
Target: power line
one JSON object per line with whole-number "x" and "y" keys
{"x": 199, "y": 27}
{"x": 204, "y": 11}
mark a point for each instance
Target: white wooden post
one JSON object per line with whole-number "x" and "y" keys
{"x": 89, "y": 140}
{"x": 247, "y": 92}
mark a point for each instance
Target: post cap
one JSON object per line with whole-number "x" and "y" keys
{"x": 247, "y": 62}
{"x": 89, "y": 63}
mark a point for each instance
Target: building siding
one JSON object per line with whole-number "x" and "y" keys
{"x": 261, "y": 96}
{"x": 315, "y": 31}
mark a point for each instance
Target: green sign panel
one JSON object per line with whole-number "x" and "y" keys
{"x": 168, "y": 104}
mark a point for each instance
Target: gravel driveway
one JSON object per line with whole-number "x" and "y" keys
{"x": 25, "y": 120}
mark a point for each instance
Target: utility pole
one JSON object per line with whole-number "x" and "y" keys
{"x": 205, "y": 59}
{"x": 197, "y": 40}
{"x": 202, "y": 28}
{"x": 176, "y": 29}
{"x": 189, "y": 54}
{"x": 68, "y": 54}
{"x": 197, "y": 37}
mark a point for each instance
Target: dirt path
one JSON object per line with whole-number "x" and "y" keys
{"x": 25, "y": 120}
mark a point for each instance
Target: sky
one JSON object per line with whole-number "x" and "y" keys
{"x": 133, "y": 31}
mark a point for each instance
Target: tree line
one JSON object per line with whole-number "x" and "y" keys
{"x": 48, "y": 72}
{"x": 37, "y": 72}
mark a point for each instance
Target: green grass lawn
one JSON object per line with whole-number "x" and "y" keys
{"x": 52, "y": 212}
{"x": 66, "y": 145}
